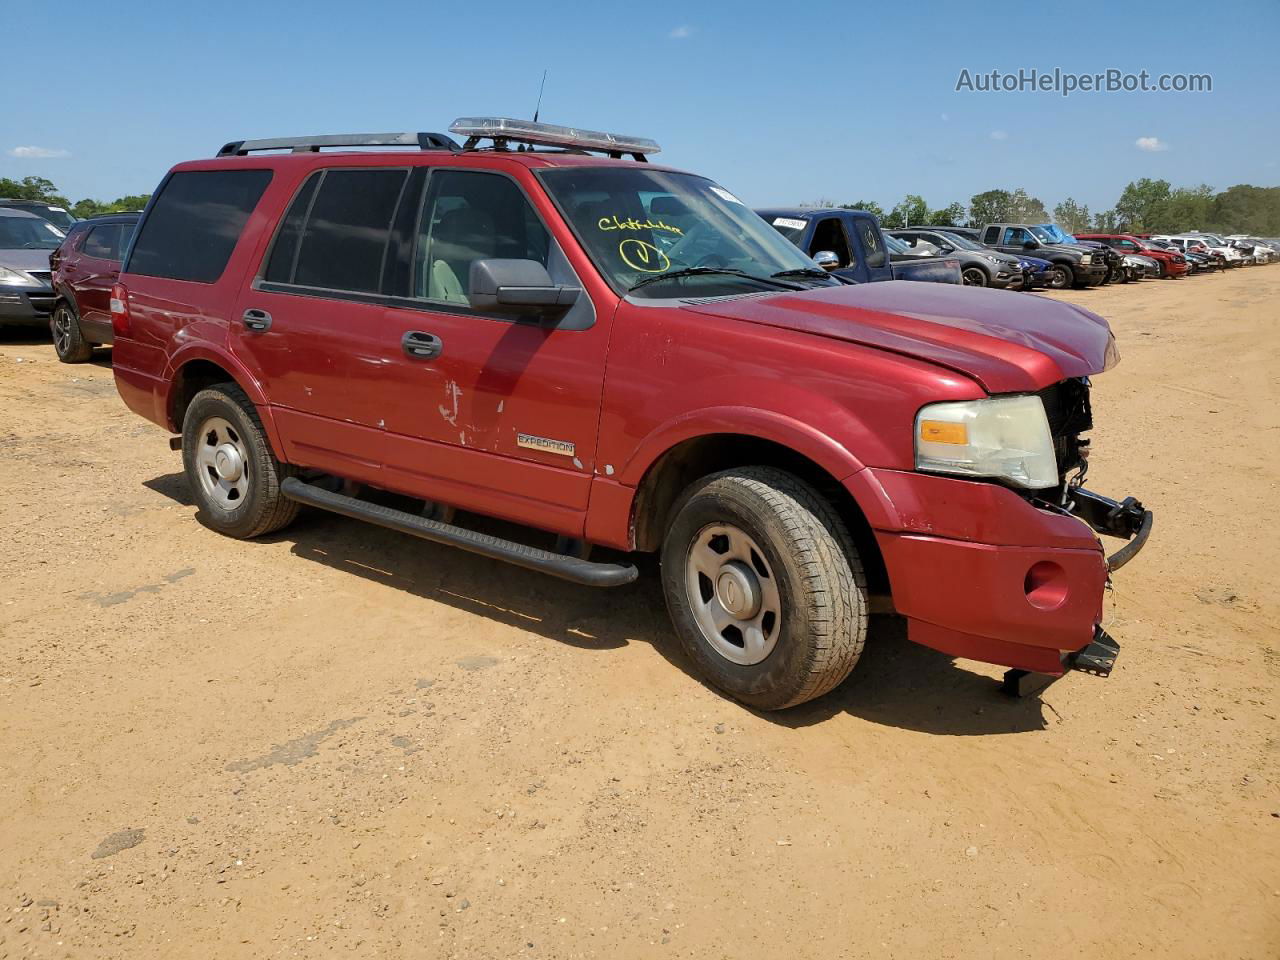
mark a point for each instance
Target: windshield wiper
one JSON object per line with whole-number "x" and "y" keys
{"x": 803, "y": 272}
{"x": 699, "y": 271}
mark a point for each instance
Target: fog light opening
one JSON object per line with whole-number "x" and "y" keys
{"x": 1046, "y": 585}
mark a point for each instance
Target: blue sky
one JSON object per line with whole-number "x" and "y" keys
{"x": 783, "y": 104}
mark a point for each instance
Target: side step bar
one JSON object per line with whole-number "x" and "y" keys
{"x": 531, "y": 558}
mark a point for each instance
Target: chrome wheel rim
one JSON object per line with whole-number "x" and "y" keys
{"x": 733, "y": 594}
{"x": 222, "y": 463}
{"x": 62, "y": 330}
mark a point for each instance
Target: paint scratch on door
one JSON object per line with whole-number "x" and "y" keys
{"x": 449, "y": 410}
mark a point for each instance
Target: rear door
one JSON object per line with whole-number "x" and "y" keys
{"x": 96, "y": 268}
{"x": 314, "y": 327}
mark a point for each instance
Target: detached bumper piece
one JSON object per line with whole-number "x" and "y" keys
{"x": 1128, "y": 520}
{"x": 559, "y": 565}
{"x": 1097, "y": 658}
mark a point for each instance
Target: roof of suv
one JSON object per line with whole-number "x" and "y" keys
{"x": 532, "y": 159}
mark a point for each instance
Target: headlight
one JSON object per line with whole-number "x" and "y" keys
{"x": 14, "y": 278}
{"x": 1086, "y": 258}
{"x": 1003, "y": 437}
{"x": 991, "y": 259}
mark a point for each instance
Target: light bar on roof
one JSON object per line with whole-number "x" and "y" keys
{"x": 550, "y": 134}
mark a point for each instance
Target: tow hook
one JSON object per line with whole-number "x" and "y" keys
{"x": 1096, "y": 658}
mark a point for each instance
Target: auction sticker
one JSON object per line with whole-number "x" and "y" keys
{"x": 789, "y": 222}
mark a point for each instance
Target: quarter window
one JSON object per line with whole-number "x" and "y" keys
{"x": 103, "y": 242}
{"x": 194, "y": 224}
{"x": 468, "y": 216}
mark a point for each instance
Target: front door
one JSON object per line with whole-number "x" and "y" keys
{"x": 95, "y": 268}
{"x": 503, "y": 418}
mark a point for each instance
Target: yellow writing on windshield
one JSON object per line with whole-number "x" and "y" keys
{"x": 613, "y": 223}
{"x": 642, "y": 256}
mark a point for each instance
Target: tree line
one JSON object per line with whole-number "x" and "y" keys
{"x": 1145, "y": 206}
{"x": 38, "y": 188}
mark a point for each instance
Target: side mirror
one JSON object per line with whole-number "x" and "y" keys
{"x": 1031, "y": 245}
{"x": 827, "y": 260}
{"x": 518, "y": 286}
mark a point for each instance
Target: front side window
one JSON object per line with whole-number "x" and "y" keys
{"x": 195, "y": 223}
{"x": 1015, "y": 235}
{"x": 469, "y": 216}
{"x": 829, "y": 235}
{"x": 637, "y": 223}
{"x": 872, "y": 243}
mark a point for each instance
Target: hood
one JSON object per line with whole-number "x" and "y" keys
{"x": 25, "y": 259}
{"x": 1007, "y": 342}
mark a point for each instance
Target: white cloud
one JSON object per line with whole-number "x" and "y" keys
{"x": 682, "y": 32}
{"x": 38, "y": 153}
{"x": 1150, "y": 144}
{"x": 999, "y": 135}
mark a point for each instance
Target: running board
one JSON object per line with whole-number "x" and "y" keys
{"x": 531, "y": 558}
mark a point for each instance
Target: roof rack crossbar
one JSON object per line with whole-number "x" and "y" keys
{"x": 422, "y": 141}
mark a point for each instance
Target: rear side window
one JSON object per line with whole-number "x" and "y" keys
{"x": 343, "y": 243}
{"x": 104, "y": 242}
{"x": 194, "y": 224}
{"x": 992, "y": 235}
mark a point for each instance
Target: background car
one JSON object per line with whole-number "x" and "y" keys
{"x": 979, "y": 266}
{"x": 85, "y": 266}
{"x": 1173, "y": 264}
{"x": 60, "y": 217}
{"x": 26, "y": 295}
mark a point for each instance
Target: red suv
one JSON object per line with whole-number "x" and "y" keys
{"x": 1172, "y": 264}
{"x": 625, "y": 356}
{"x": 85, "y": 265}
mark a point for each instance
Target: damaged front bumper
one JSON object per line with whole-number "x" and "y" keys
{"x": 1128, "y": 520}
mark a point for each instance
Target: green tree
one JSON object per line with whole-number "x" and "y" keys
{"x": 910, "y": 210}
{"x": 1026, "y": 209}
{"x": 94, "y": 208}
{"x": 870, "y": 206}
{"x": 1247, "y": 209}
{"x": 1071, "y": 216}
{"x": 32, "y": 188}
{"x": 1189, "y": 208}
{"x": 1105, "y": 221}
{"x": 993, "y": 206}
{"x": 1142, "y": 206}
{"x": 949, "y": 216}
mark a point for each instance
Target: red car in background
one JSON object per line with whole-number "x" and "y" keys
{"x": 1172, "y": 264}
{"x": 84, "y": 266}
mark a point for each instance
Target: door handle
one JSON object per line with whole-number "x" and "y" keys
{"x": 256, "y": 320}
{"x": 422, "y": 346}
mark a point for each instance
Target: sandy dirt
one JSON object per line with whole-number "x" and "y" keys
{"x": 339, "y": 741}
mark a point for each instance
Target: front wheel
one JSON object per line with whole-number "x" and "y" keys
{"x": 1059, "y": 277}
{"x": 234, "y": 476}
{"x": 68, "y": 339}
{"x": 974, "y": 277}
{"x": 764, "y": 587}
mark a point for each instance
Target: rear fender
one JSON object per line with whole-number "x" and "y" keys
{"x": 187, "y": 354}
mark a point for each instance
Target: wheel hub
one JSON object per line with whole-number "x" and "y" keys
{"x": 228, "y": 463}
{"x": 738, "y": 589}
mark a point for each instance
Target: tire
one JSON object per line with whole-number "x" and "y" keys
{"x": 221, "y": 422}
{"x": 1059, "y": 277}
{"x": 68, "y": 339}
{"x": 804, "y": 564}
{"x": 974, "y": 277}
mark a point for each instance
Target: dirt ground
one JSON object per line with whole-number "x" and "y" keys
{"x": 341, "y": 741}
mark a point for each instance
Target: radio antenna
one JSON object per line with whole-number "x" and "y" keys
{"x": 541, "y": 87}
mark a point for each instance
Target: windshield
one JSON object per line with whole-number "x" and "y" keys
{"x": 896, "y": 246}
{"x": 636, "y": 223}
{"x": 28, "y": 233}
{"x": 963, "y": 243}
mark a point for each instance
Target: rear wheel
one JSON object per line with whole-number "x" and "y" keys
{"x": 764, "y": 587}
{"x": 68, "y": 339}
{"x": 974, "y": 277}
{"x": 234, "y": 476}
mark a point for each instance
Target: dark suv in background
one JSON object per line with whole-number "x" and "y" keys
{"x": 84, "y": 267}
{"x": 60, "y": 217}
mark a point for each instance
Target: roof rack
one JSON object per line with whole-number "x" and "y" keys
{"x": 504, "y": 131}
{"x": 423, "y": 141}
